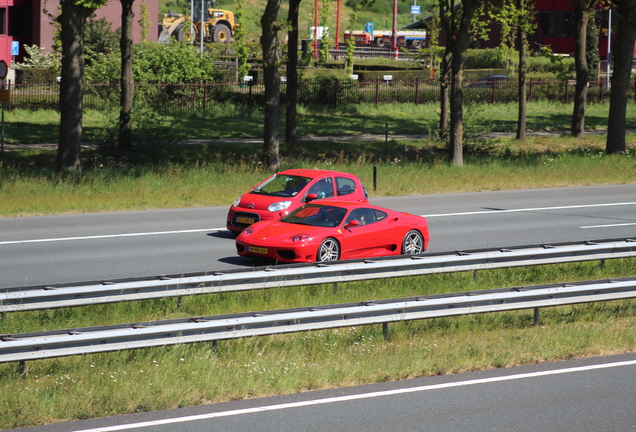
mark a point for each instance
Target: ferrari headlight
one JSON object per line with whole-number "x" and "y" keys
{"x": 299, "y": 238}
{"x": 278, "y": 206}
{"x": 237, "y": 202}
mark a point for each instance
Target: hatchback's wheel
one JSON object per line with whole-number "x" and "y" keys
{"x": 329, "y": 250}
{"x": 413, "y": 243}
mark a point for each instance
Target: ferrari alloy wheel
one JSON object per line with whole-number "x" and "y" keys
{"x": 329, "y": 250}
{"x": 413, "y": 243}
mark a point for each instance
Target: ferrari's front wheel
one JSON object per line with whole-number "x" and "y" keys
{"x": 329, "y": 250}
{"x": 413, "y": 243}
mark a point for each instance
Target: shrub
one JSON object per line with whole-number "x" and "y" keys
{"x": 169, "y": 63}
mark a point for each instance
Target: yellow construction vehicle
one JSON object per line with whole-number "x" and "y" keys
{"x": 218, "y": 24}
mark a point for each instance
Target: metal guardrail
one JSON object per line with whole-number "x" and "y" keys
{"x": 51, "y": 344}
{"x": 33, "y": 298}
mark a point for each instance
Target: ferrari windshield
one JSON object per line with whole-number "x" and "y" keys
{"x": 282, "y": 185}
{"x": 316, "y": 215}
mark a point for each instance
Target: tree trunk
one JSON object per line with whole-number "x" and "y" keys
{"x": 459, "y": 47}
{"x": 623, "y": 56}
{"x": 582, "y": 17}
{"x": 127, "y": 81}
{"x": 292, "y": 76}
{"x": 72, "y": 19}
{"x": 444, "y": 87}
{"x": 523, "y": 53}
{"x": 269, "y": 43}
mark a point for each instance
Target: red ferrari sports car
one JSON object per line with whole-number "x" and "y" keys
{"x": 331, "y": 230}
{"x": 278, "y": 195}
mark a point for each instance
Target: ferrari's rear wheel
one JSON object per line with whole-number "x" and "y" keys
{"x": 413, "y": 243}
{"x": 329, "y": 250}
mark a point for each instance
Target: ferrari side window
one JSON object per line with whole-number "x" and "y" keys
{"x": 364, "y": 216}
{"x": 379, "y": 215}
{"x": 345, "y": 185}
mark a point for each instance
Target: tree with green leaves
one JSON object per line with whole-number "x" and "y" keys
{"x": 271, "y": 62}
{"x": 526, "y": 25}
{"x": 127, "y": 81}
{"x": 457, "y": 22}
{"x": 240, "y": 43}
{"x": 72, "y": 20}
{"x": 325, "y": 43}
{"x": 350, "y": 44}
{"x": 291, "y": 113}
{"x": 517, "y": 20}
{"x": 99, "y": 39}
{"x": 623, "y": 53}
{"x": 583, "y": 10}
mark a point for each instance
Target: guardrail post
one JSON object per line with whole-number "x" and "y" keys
{"x": 21, "y": 367}
{"x": 602, "y": 264}
{"x": 385, "y": 331}
{"x": 475, "y": 276}
{"x": 335, "y": 288}
{"x": 536, "y": 316}
{"x": 179, "y": 302}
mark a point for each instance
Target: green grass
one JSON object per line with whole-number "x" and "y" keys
{"x": 225, "y": 121}
{"x": 89, "y": 386}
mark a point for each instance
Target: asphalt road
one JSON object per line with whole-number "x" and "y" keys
{"x": 580, "y": 395}
{"x": 72, "y": 248}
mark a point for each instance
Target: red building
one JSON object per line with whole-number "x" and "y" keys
{"x": 555, "y": 28}
{"x": 28, "y": 22}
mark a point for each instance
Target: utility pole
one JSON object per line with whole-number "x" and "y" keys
{"x": 396, "y": 54}
{"x": 316, "y": 30}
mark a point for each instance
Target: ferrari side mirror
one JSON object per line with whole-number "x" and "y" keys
{"x": 352, "y": 223}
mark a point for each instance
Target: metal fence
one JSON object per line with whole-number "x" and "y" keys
{"x": 201, "y": 96}
{"x": 66, "y": 342}
{"x": 89, "y": 340}
{"x": 98, "y": 292}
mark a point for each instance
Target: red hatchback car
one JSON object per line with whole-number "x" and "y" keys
{"x": 284, "y": 192}
{"x": 332, "y": 230}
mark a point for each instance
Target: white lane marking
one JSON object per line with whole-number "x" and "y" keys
{"x": 112, "y": 236}
{"x": 608, "y": 226}
{"x": 357, "y": 397}
{"x": 530, "y": 209}
{"x": 222, "y": 229}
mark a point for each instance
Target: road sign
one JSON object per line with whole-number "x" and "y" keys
{"x": 15, "y": 48}
{"x": 5, "y": 96}
{"x": 415, "y": 10}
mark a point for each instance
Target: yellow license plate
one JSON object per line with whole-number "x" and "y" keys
{"x": 245, "y": 220}
{"x": 260, "y": 250}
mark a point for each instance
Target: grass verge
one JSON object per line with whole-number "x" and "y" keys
{"x": 212, "y": 175}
